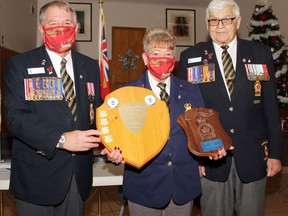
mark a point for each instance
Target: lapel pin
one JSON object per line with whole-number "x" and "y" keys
{"x": 43, "y": 62}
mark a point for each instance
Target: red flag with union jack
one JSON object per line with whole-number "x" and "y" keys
{"x": 103, "y": 55}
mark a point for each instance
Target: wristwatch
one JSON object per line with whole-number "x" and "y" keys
{"x": 61, "y": 141}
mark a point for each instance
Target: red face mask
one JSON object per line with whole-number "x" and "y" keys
{"x": 60, "y": 38}
{"x": 160, "y": 67}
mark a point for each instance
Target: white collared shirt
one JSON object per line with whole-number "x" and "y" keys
{"x": 56, "y": 61}
{"x": 232, "y": 50}
{"x": 155, "y": 89}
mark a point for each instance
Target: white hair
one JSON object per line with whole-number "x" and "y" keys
{"x": 217, "y": 5}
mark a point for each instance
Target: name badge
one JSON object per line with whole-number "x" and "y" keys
{"x": 92, "y": 99}
{"x": 194, "y": 60}
{"x": 38, "y": 70}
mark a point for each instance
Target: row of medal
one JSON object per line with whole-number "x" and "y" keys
{"x": 206, "y": 73}
{"x": 43, "y": 88}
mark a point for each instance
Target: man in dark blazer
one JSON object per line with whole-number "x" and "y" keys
{"x": 250, "y": 115}
{"x": 51, "y": 167}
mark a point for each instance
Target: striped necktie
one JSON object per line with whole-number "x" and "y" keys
{"x": 68, "y": 88}
{"x": 229, "y": 71}
{"x": 163, "y": 94}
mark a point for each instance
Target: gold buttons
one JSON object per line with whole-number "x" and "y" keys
{"x": 231, "y": 109}
{"x": 232, "y": 130}
{"x": 169, "y": 163}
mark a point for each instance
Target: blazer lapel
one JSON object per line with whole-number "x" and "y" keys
{"x": 176, "y": 92}
{"x": 219, "y": 81}
{"x": 80, "y": 77}
{"x": 240, "y": 76}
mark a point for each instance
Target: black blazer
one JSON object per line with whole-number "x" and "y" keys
{"x": 248, "y": 120}
{"x": 38, "y": 178}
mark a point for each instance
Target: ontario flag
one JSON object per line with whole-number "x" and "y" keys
{"x": 103, "y": 55}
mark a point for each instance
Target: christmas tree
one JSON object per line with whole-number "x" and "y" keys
{"x": 264, "y": 28}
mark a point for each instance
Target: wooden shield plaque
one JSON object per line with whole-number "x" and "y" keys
{"x": 204, "y": 131}
{"x": 136, "y": 121}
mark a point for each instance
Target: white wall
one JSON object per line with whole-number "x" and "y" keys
{"x": 20, "y": 28}
{"x": 130, "y": 14}
{"x": 18, "y": 24}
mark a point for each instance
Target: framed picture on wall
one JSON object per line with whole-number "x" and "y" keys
{"x": 84, "y": 17}
{"x": 182, "y": 22}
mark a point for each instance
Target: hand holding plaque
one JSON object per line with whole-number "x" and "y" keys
{"x": 204, "y": 131}
{"x": 136, "y": 121}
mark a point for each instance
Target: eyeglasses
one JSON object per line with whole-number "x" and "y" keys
{"x": 225, "y": 21}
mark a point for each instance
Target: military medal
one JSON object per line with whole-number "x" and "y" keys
{"x": 201, "y": 74}
{"x": 257, "y": 88}
{"x": 43, "y": 88}
{"x": 257, "y": 71}
{"x": 91, "y": 98}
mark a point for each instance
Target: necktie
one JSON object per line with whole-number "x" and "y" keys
{"x": 229, "y": 71}
{"x": 163, "y": 94}
{"x": 68, "y": 88}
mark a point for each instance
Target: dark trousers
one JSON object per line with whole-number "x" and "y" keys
{"x": 73, "y": 205}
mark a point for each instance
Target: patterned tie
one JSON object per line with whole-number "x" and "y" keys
{"x": 163, "y": 94}
{"x": 229, "y": 71}
{"x": 68, "y": 88}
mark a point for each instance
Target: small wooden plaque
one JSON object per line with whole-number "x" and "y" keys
{"x": 136, "y": 121}
{"x": 204, "y": 131}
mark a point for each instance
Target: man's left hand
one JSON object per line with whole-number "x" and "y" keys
{"x": 273, "y": 167}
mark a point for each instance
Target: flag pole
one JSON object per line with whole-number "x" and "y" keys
{"x": 100, "y": 2}
{"x": 103, "y": 54}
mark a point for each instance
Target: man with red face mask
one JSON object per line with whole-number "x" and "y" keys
{"x": 48, "y": 95}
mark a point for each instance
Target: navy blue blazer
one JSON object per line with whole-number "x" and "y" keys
{"x": 253, "y": 123}
{"x": 36, "y": 127}
{"x": 174, "y": 172}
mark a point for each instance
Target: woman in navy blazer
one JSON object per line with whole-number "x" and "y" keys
{"x": 170, "y": 182}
